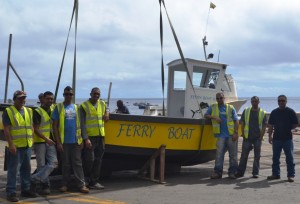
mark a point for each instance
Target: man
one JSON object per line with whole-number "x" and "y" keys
{"x": 93, "y": 115}
{"x": 122, "y": 109}
{"x": 253, "y": 124}
{"x": 41, "y": 98}
{"x": 225, "y": 127}
{"x": 282, "y": 120}
{"x": 66, "y": 128}
{"x": 18, "y": 131}
{"x": 44, "y": 146}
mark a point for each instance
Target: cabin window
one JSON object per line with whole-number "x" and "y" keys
{"x": 213, "y": 79}
{"x": 179, "y": 80}
{"x": 226, "y": 86}
{"x": 197, "y": 78}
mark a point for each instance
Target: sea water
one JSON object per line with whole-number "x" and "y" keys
{"x": 266, "y": 103}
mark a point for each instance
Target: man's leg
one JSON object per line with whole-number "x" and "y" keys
{"x": 246, "y": 147}
{"x": 277, "y": 148}
{"x": 77, "y": 165}
{"x": 99, "y": 148}
{"x": 25, "y": 169}
{"x": 221, "y": 148}
{"x": 233, "y": 161}
{"x": 66, "y": 164}
{"x": 257, "y": 150}
{"x": 288, "y": 149}
{"x": 12, "y": 167}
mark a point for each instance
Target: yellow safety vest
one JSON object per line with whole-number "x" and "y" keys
{"x": 21, "y": 128}
{"x": 45, "y": 126}
{"x": 261, "y": 116}
{"x": 94, "y": 122}
{"x": 61, "y": 112}
{"x": 216, "y": 113}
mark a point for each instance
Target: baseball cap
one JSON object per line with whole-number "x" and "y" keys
{"x": 19, "y": 94}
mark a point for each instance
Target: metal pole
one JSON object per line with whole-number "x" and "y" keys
{"x": 109, "y": 91}
{"x": 204, "y": 44}
{"x": 7, "y": 68}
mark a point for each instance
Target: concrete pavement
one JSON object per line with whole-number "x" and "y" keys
{"x": 191, "y": 185}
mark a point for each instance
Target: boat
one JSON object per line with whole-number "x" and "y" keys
{"x": 131, "y": 140}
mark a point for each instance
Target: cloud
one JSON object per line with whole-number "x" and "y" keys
{"x": 118, "y": 42}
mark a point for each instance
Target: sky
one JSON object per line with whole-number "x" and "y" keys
{"x": 118, "y": 41}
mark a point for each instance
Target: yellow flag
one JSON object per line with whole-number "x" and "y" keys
{"x": 212, "y": 5}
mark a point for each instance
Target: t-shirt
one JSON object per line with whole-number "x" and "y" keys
{"x": 224, "y": 133}
{"x": 283, "y": 121}
{"x": 254, "y": 131}
{"x": 70, "y": 123}
{"x": 123, "y": 110}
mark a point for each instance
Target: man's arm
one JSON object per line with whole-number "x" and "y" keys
{"x": 264, "y": 127}
{"x": 270, "y": 127}
{"x": 208, "y": 115}
{"x": 8, "y": 137}
{"x": 38, "y": 132}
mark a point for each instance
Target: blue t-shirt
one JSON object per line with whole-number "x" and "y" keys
{"x": 223, "y": 126}
{"x": 70, "y": 123}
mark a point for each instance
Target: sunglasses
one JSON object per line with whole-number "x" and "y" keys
{"x": 279, "y": 101}
{"x": 68, "y": 94}
{"x": 220, "y": 98}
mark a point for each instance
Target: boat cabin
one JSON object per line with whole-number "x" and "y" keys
{"x": 191, "y": 99}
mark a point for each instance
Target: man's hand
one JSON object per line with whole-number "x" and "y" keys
{"x": 270, "y": 139}
{"x": 50, "y": 142}
{"x": 12, "y": 149}
{"x": 88, "y": 143}
{"x": 218, "y": 120}
{"x": 235, "y": 137}
{"x": 59, "y": 147}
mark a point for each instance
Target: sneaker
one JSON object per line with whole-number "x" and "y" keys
{"x": 216, "y": 176}
{"x": 63, "y": 189}
{"x": 96, "y": 186}
{"x": 290, "y": 179}
{"x": 231, "y": 176}
{"x": 255, "y": 176}
{"x": 29, "y": 194}
{"x": 84, "y": 189}
{"x": 273, "y": 177}
{"x": 239, "y": 175}
{"x": 12, "y": 197}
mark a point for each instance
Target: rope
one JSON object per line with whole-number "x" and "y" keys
{"x": 181, "y": 55}
{"x": 75, "y": 8}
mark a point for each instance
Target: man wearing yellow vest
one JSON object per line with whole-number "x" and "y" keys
{"x": 44, "y": 146}
{"x": 225, "y": 127}
{"x": 66, "y": 128}
{"x": 93, "y": 115}
{"x": 253, "y": 124}
{"x": 18, "y": 131}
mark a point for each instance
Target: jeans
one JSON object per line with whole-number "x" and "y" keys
{"x": 288, "y": 148}
{"x": 71, "y": 158}
{"x": 92, "y": 159}
{"x": 246, "y": 148}
{"x": 224, "y": 144}
{"x": 18, "y": 163}
{"x": 46, "y": 160}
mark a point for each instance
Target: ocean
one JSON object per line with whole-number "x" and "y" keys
{"x": 267, "y": 103}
